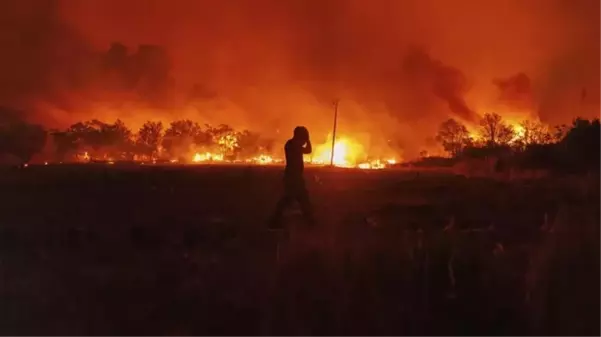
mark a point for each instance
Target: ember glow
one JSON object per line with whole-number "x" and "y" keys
{"x": 84, "y": 157}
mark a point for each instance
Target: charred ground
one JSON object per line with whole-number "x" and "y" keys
{"x": 91, "y": 249}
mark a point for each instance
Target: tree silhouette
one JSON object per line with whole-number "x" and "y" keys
{"x": 64, "y": 144}
{"x": 99, "y": 139}
{"x": 249, "y": 144}
{"x": 580, "y": 146}
{"x": 534, "y": 132}
{"x": 453, "y": 136}
{"x": 116, "y": 139}
{"x": 149, "y": 139}
{"x": 21, "y": 140}
{"x": 494, "y": 131}
{"x": 81, "y": 137}
{"x": 181, "y": 136}
{"x": 559, "y": 132}
{"x": 77, "y": 138}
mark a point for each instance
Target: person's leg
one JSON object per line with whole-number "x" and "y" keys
{"x": 302, "y": 197}
{"x": 276, "y": 218}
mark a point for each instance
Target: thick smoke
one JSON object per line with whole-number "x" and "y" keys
{"x": 447, "y": 83}
{"x": 516, "y": 91}
{"x": 272, "y": 64}
{"x": 40, "y": 56}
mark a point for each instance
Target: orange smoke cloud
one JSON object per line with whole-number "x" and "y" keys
{"x": 271, "y": 64}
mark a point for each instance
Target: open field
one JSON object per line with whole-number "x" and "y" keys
{"x": 183, "y": 250}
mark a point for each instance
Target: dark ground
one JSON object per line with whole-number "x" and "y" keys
{"x": 183, "y": 250}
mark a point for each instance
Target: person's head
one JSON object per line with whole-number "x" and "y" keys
{"x": 301, "y": 134}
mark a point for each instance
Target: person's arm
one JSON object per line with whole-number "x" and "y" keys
{"x": 307, "y": 149}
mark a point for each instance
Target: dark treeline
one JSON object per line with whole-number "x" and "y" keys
{"x": 19, "y": 139}
{"x": 98, "y": 140}
{"x": 574, "y": 148}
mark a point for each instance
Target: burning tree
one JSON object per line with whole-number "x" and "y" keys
{"x": 494, "y": 131}
{"x": 534, "y": 132}
{"x": 79, "y": 137}
{"x": 559, "y": 133}
{"x": 248, "y": 144}
{"x": 225, "y": 137}
{"x": 251, "y": 144}
{"x": 95, "y": 139}
{"x": 116, "y": 140}
{"x": 149, "y": 139}
{"x": 453, "y": 136}
{"x": 182, "y": 135}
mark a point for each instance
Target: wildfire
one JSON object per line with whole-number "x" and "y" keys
{"x": 262, "y": 160}
{"x": 518, "y": 129}
{"x": 347, "y": 153}
{"x": 516, "y": 125}
{"x": 228, "y": 142}
{"x": 376, "y": 164}
{"x": 207, "y": 156}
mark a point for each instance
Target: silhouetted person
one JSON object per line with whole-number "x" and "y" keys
{"x": 294, "y": 183}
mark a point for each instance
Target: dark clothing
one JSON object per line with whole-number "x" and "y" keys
{"x": 294, "y": 159}
{"x": 294, "y": 190}
{"x": 294, "y": 182}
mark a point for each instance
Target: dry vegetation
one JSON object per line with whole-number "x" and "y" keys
{"x": 181, "y": 250}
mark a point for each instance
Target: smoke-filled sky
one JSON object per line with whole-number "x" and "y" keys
{"x": 399, "y": 67}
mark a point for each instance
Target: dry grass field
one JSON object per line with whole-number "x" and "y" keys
{"x": 183, "y": 250}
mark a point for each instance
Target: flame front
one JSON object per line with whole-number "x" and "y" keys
{"x": 262, "y": 159}
{"x": 347, "y": 153}
{"x": 207, "y": 156}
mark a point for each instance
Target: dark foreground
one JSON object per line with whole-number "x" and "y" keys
{"x": 109, "y": 250}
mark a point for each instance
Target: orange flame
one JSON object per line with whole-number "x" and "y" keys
{"x": 207, "y": 156}
{"x": 347, "y": 153}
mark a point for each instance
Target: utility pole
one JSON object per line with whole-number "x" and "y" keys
{"x": 334, "y": 132}
{"x": 582, "y": 98}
